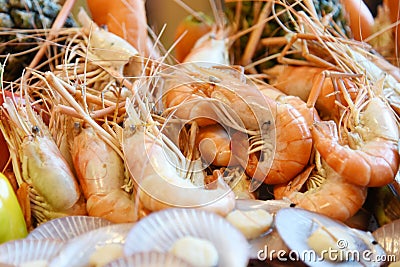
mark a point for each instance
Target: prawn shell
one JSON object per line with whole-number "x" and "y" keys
{"x": 77, "y": 251}
{"x": 20, "y": 251}
{"x": 149, "y": 259}
{"x": 388, "y": 237}
{"x": 160, "y": 230}
{"x": 296, "y": 225}
{"x": 66, "y": 228}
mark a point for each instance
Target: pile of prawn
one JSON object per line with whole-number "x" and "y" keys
{"x": 121, "y": 134}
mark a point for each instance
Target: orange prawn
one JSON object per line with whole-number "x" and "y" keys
{"x": 101, "y": 174}
{"x": 162, "y": 175}
{"x": 39, "y": 165}
{"x": 292, "y": 151}
{"x": 310, "y": 114}
{"x": 125, "y": 18}
{"x": 98, "y": 164}
{"x": 221, "y": 94}
{"x": 371, "y": 157}
{"x": 327, "y": 192}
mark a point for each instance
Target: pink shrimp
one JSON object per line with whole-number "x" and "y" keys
{"x": 161, "y": 170}
{"x": 101, "y": 174}
{"x": 372, "y": 159}
{"x": 327, "y": 192}
{"x": 98, "y": 163}
{"x": 292, "y": 151}
{"x": 38, "y": 164}
{"x": 310, "y": 114}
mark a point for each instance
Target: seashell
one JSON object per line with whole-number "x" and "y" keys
{"x": 20, "y": 251}
{"x": 65, "y": 228}
{"x": 388, "y": 237}
{"x": 149, "y": 259}
{"x": 160, "y": 230}
{"x": 78, "y": 251}
{"x": 296, "y": 225}
{"x": 271, "y": 241}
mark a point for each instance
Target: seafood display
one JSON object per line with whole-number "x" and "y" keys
{"x": 275, "y": 128}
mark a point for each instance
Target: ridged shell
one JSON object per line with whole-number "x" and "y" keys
{"x": 77, "y": 251}
{"x": 296, "y": 225}
{"x": 160, "y": 230}
{"x": 388, "y": 236}
{"x": 149, "y": 259}
{"x": 68, "y": 227}
{"x": 268, "y": 242}
{"x": 21, "y": 251}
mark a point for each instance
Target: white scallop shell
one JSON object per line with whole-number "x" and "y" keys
{"x": 296, "y": 225}
{"x": 388, "y": 236}
{"x": 21, "y": 251}
{"x": 149, "y": 259}
{"x": 67, "y": 227}
{"x": 77, "y": 251}
{"x": 267, "y": 242}
{"x": 160, "y": 230}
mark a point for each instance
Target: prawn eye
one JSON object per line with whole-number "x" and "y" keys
{"x": 374, "y": 242}
{"x": 265, "y": 126}
{"x": 132, "y": 128}
{"x": 292, "y": 205}
{"x": 35, "y": 129}
{"x": 77, "y": 127}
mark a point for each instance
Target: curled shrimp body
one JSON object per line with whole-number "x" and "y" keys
{"x": 327, "y": 192}
{"x": 101, "y": 174}
{"x": 292, "y": 150}
{"x": 37, "y": 161}
{"x": 372, "y": 157}
{"x": 162, "y": 172}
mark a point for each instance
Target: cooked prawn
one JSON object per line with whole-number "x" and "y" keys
{"x": 371, "y": 157}
{"x": 98, "y": 164}
{"x": 224, "y": 94}
{"x": 101, "y": 174}
{"x": 310, "y": 114}
{"x": 326, "y": 192}
{"x": 125, "y": 18}
{"x": 105, "y": 48}
{"x": 292, "y": 151}
{"x": 37, "y": 161}
{"x": 162, "y": 173}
